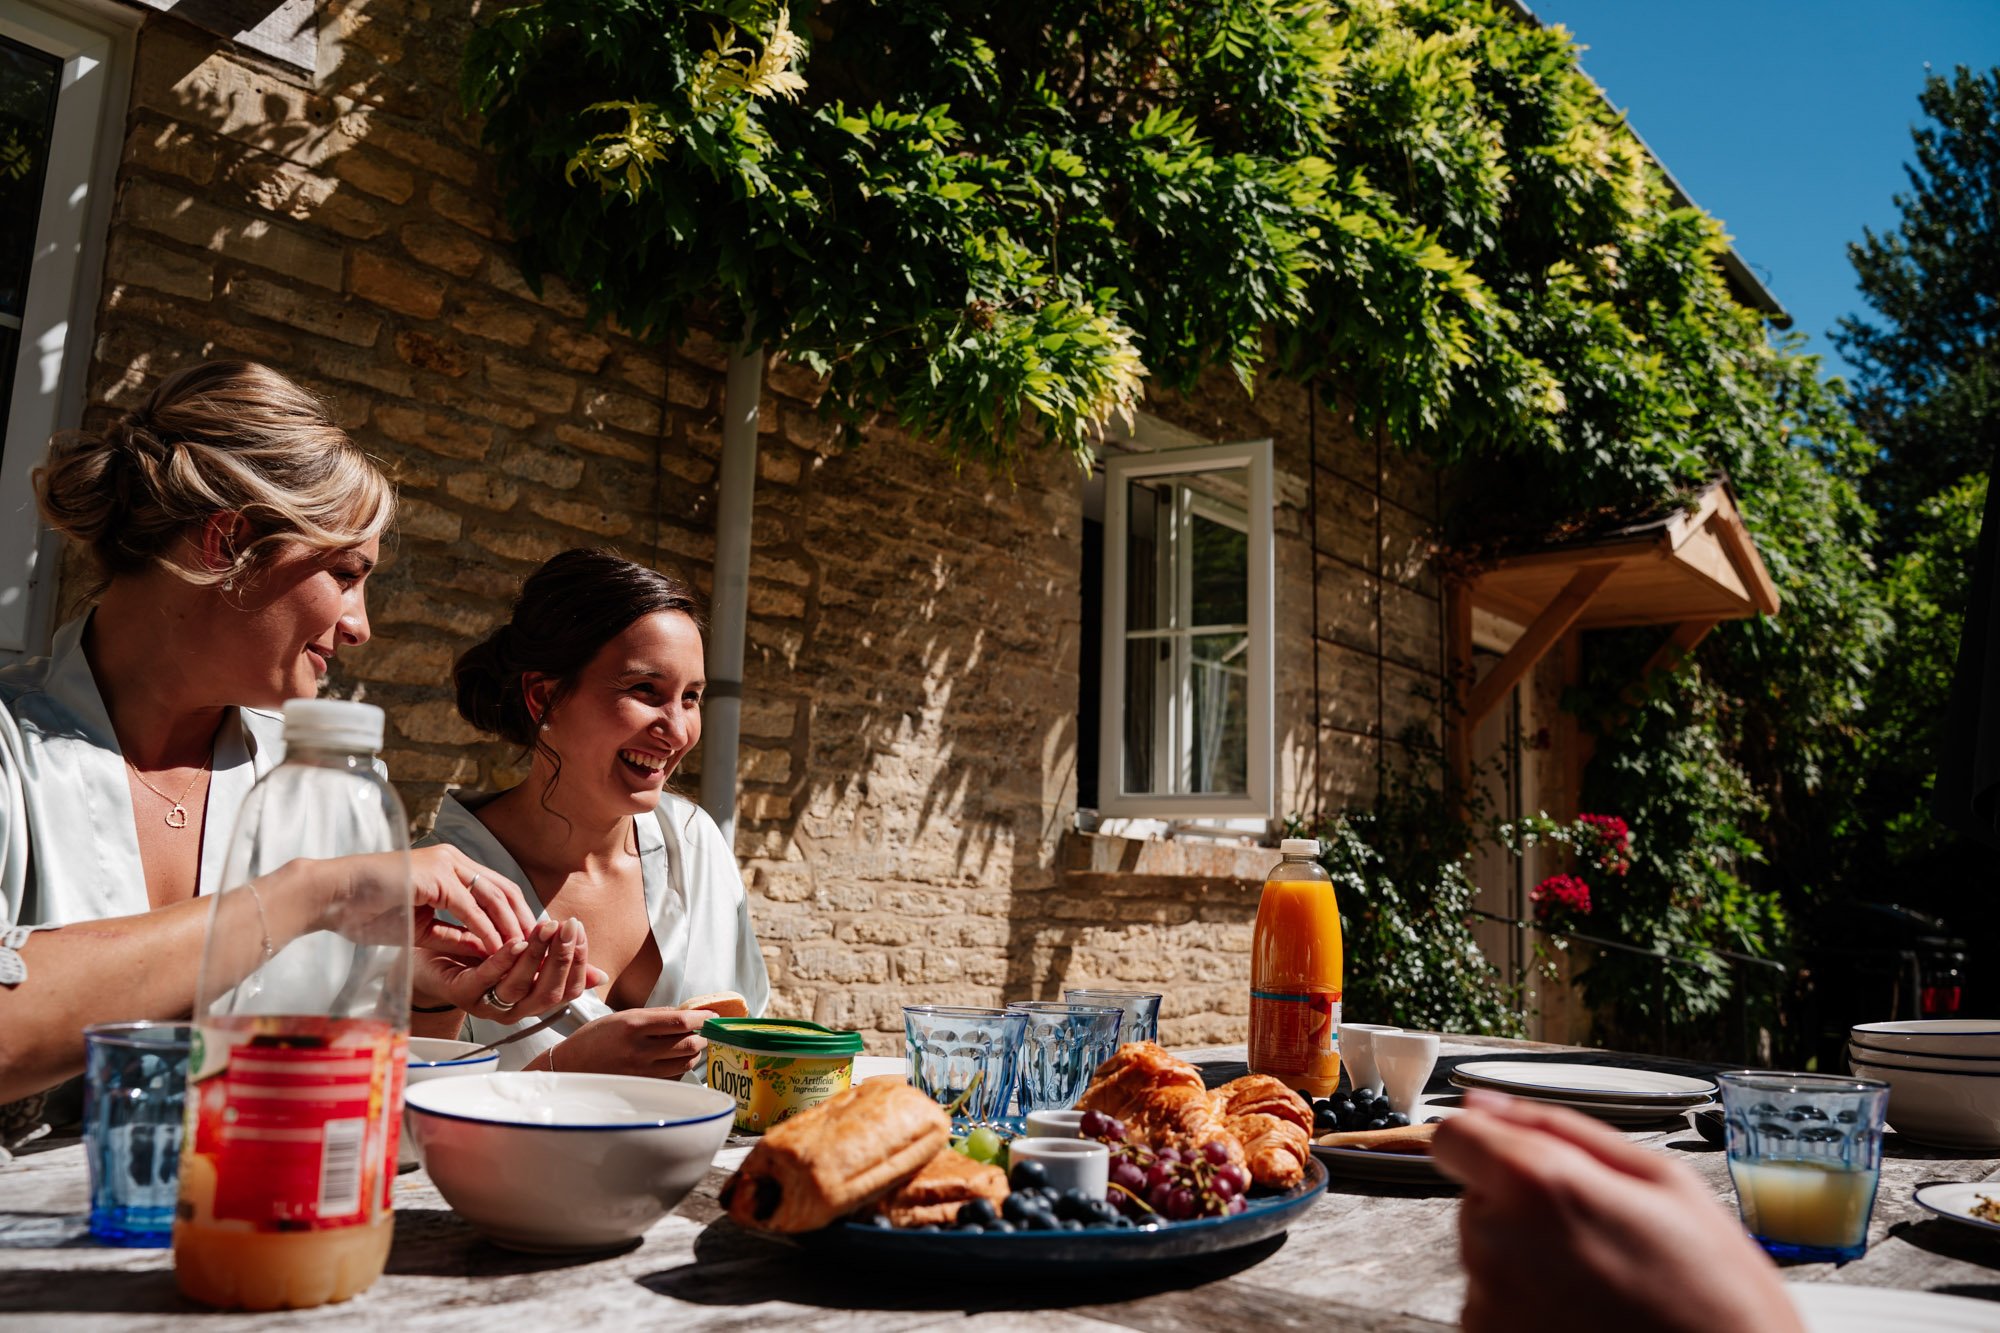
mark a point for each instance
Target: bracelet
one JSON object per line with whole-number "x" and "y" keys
{"x": 262, "y": 924}
{"x": 432, "y": 1009}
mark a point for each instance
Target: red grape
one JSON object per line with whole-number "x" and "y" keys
{"x": 1231, "y": 1180}
{"x": 1160, "y": 1174}
{"x": 1130, "y": 1175}
{"x": 1181, "y": 1204}
{"x": 1103, "y": 1128}
{"x": 1215, "y": 1151}
{"x": 1159, "y": 1196}
{"x": 1168, "y": 1154}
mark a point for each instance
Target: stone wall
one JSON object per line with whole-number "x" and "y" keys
{"x": 910, "y": 710}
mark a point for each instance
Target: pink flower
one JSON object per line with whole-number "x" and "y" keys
{"x": 1559, "y": 893}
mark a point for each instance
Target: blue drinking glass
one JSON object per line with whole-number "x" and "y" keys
{"x": 1141, "y": 1009}
{"x": 1805, "y": 1154}
{"x": 135, "y": 1076}
{"x": 1060, "y": 1053}
{"x": 964, "y": 1058}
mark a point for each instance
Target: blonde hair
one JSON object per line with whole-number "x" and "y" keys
{"x": 223, "y": 437}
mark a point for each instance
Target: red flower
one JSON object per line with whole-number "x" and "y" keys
{"x": 1613, "y": 839}
{"x": 1558, "y": 893}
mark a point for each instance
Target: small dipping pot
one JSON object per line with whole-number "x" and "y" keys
{"x": 1071, "y": 1164}
{"x": 1054, "y": 1124}
{"x": 777, "y": 1067}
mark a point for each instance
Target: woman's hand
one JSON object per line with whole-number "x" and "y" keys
{"x": 359, "y": 896}
{"x": 528, "y": 977}
{"x": 1637, "y": 1241}
{"x": 654, "y": 1043}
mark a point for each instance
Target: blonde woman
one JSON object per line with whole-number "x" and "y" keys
{"x": 234, "y": 527}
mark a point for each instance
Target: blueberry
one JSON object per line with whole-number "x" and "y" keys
{"x": 1397, "y": 1120}
{"x": 978, "y": 1212}
{"x": 969, "y": 1228}
{"x": 1122, "y": 1223}
{"x": 927, "y": 1230}
{"x": 1379, "y": 1122}
{"x": 1339, "y": 1104}
{"x": 1069, "y": 1224}
{"x": 1028, "y": 1176}
{"x": 880, "y": 1222}
{"x": 1003, "y": 1228}
{"x": 1017, "y": 1208}
{"x": 1352, "y": 1119}
{"x": 1041, "y": 1219}
{"x": 1073, "y": 1205}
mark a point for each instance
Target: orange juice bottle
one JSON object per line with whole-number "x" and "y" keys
{"x": 295, "y": 1079}
{"x": 1295, "y": 961}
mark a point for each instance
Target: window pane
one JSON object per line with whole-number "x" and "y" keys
{"x": 28, "y": 80}
{"x": 28, "y": 83}
{"x": 1221, "y": 573}
{"x": 1219, "y": 743}
{"x": 1147, "y": 663}
{"x": 1149, "y": 517}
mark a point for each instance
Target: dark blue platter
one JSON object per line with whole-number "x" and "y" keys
{"x": 1265, "y": 1216}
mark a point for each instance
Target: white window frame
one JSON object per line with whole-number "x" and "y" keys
{"x": 1254, "y": 457}
{"x": 63, "y": 278}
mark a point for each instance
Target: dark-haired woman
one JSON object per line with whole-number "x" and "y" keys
{"x": 234, "y": 527}
{"x": 599, "y": 675}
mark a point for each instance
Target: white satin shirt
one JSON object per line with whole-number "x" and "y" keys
{"x": 69, "y": 847}
{"x": 695, "y": 900}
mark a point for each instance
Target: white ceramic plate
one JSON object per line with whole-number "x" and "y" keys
{"x": 1932, "y": 1036}
{"x": 1836, "y": 1307}
{"x": 1630, "y": 1115}
{"x": 1955, "y": 1203}
{"x": 1585, "y": 1083}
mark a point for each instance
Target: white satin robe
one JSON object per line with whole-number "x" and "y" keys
{"x": 695, "y": 900}
{"x": 69, "y": 847}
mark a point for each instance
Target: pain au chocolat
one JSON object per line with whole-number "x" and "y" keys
{"x": 840, "y": 1156}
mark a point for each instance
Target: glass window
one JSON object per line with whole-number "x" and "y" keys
{"x": 29, "y": 81}
{"x": 1187, "y": 688}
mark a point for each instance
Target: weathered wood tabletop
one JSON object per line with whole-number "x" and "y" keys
{"x": 1365, "y": 1257}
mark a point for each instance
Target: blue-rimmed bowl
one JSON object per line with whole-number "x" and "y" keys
{"x": 561, "y": 1163}
{"x": 437, "y": 1057}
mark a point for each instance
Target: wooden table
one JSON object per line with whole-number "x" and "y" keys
{"x": 1366, "y": 1257}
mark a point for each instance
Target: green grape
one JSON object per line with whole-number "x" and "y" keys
{"x": 983, "y": 1145}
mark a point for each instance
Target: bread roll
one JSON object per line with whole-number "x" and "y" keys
{"x": 723, "y": 1004}
{"x": 841, "y": 1155}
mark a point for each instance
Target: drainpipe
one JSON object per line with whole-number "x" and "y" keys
{"x": 729, "y": 607}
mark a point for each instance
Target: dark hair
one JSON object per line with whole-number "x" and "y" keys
{"x": 568, "y": 609}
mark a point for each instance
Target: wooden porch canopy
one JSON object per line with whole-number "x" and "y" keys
{"x": 1692, "y": 570}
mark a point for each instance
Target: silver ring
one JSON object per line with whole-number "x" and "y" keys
{"x": 473, "y": 883}
{"x": 494, "y": 1002}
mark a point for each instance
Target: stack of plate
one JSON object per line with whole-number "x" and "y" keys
{"x": 1943, "y": 1076}
{"x": 1615, "y": 1093}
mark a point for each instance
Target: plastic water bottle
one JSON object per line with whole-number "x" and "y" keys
{"x": 302, "y": 1016}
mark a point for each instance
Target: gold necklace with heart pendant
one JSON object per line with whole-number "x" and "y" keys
{"x": 177, "y": 817}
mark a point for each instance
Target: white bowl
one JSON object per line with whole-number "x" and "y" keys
{"x": 436, "y": 1057}
{"x": 1931, "y": 1036}
{"x": 557, "y": 1163}
{"x": 1943, "y": 1110}
{"x": 1940, "y": 1064}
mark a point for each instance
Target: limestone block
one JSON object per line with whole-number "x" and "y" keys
{"x": 441, "y": 356}
{"x": 490, "y": 319}
{"x": 239, "y": 236}
{"x": 328, "y": 318}
{"x": 394, "y": 286}
{"x": 135, "y": 260}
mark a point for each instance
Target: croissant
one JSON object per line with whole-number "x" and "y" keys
{"x": 947, "y": 1183}
{"x": 1274, "y": 1125}
{"x": 841, "y": 1155}
{"x": 1161, "y": 1099}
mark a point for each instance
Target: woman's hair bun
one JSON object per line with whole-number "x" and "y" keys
{"x": 488, "y": 688}
{"x": 222, "y": 437}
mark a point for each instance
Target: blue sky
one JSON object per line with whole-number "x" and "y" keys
{"x": 1788, "y": 119}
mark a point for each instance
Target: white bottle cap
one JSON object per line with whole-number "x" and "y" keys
{"x": 332, "y": 724}
{"x": 1300, "y": 847}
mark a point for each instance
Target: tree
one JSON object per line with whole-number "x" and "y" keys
{"x": 1929, "y": 382}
